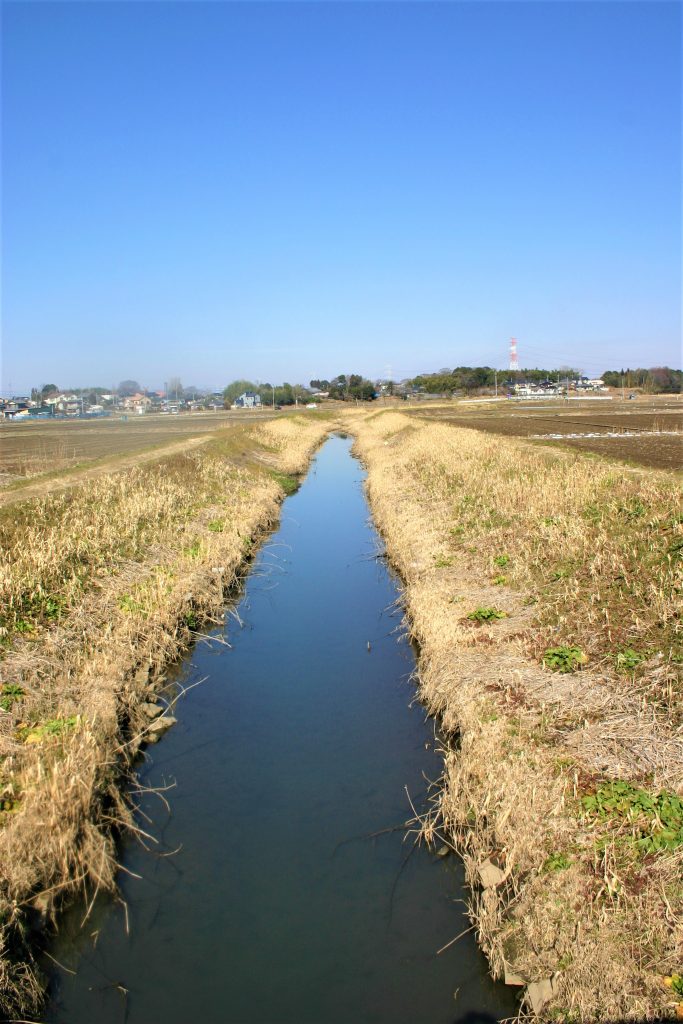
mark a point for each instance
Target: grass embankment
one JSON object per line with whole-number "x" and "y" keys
{"x": 102, "y": 587}
{"x": 544, "y": 589}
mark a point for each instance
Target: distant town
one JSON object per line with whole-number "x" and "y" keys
{"x": 130, "y": 398}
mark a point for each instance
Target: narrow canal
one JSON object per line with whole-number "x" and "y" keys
{"x": 279, "y": 906}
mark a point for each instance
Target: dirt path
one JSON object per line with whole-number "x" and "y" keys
{"x": 72, "y": 478}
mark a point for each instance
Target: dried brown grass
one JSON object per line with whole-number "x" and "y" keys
{"x": 568, "y": 899}
{"x": 101, "y": 589}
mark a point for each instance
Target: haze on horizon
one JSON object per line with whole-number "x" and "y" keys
{"x": 293, "y": 190}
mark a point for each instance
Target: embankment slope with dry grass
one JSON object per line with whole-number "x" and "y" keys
{"x": 544, "y": 589}
{"x": 101, "y": 588}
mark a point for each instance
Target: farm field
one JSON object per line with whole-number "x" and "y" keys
{"x": 657, "y": 424}
{"x": 28, "y": 449}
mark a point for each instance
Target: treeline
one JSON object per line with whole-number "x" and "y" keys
{"x": 658, "y": 380}
{"x": 471, "y": 378}
{"x": 347, "y": 388}
{"x": 270, "y": 394}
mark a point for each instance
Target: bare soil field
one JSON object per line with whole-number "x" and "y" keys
{"x": 30, "y": 448}
{"x": 650, "y": 430}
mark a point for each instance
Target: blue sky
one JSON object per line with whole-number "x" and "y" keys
{"x": 293, "y": 190}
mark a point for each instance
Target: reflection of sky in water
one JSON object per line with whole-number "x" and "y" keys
{"x": 298, "y": 745}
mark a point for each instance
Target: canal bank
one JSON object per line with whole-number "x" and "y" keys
{"x": 103, "y": 587}
{"x": 556, "y": 792}
{"x": 282, "y": 886}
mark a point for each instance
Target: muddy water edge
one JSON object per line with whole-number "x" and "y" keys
{"x": 279, "y": 887}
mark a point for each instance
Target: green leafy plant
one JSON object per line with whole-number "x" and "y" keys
{"x": 564, "y": 659}
{"x": 655, "y": 820}
{"x": 499, "y": 581}
{"x": 501, "y": 561}
{"x": 556, "y": 862}
{"x": 559, "y": 574}
{"x": 51, "y": 729}
{"x": 10, "y": 693}
{"x": 128, "y": 603}
{"x": 628, "y": 659}
{"x": 217, "y": 525}
{"x": 443, "y": 562}
{"x": 677, "y": 984}
{"x": 288, "y": 483}
{"x": 194, "y": 549}
{"x": 191, "y": 620}
{"x": 486, "y": 614}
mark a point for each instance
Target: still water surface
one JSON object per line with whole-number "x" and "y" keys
{"x": 300, "y": 742}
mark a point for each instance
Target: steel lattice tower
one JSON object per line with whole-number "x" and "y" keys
{"x": 514, "y": 365}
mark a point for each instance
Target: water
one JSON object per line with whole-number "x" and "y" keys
{"x": 300, "y": 743}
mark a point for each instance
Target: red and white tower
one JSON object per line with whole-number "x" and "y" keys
{"x": 514, "y": 365}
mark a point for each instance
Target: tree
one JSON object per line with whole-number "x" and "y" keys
{"x": 235, "y": 389}
{"x": 49, "y": 389}
{"x": 128, "y": 387}
{"x": 664, "y": 380}
{"x": 174, "y": 388}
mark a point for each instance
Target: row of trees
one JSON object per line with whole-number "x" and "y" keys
{"x": 658, "y": 380}
{"x": 471, "y": 378}
{"x": 354, "y": 387}
{"x": 351, "y": 388}
{"x": 270, "y": 394}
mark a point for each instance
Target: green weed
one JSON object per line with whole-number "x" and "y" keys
{"x": 10, "y": 693}
{"x": 217, "y": 525}
{"x": 628, "y": 659}
{"x": 556, "y": 862}
{"x": 288, "y": 483}
{"x": 656, "y": 821}
{"x": 501, "y": 561}
{"x": 564, "y": 659}
{"x": 677, "y": 984}
{"x": 486, "y": 614}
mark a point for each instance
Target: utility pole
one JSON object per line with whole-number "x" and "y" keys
{"x": 495, "y": 377}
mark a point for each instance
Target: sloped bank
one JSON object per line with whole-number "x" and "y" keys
{"x": 102, "y": 588}
{"x": 557, "y": 783}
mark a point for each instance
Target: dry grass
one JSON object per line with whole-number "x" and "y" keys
{"x": 580, "y": 554}
{"x": 290, "y": 440}
{"x": 102, "y": 587}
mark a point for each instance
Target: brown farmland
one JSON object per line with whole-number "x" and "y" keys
{"x": 657, "y": 424}
{"x": 31, "y": 447}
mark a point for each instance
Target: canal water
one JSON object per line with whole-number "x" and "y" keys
{"x": 278, "y": 892}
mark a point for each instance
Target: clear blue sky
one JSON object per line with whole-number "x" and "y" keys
{"x": 293, "y": 190}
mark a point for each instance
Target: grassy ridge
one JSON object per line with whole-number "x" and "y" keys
{"x": 544, "y": 590}
{"x": 102, "y": 587}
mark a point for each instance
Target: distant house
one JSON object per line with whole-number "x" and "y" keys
{"x": 15, "y": 410}
{"x": 247, "y": 400}
{"x": 137, "y": 403}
